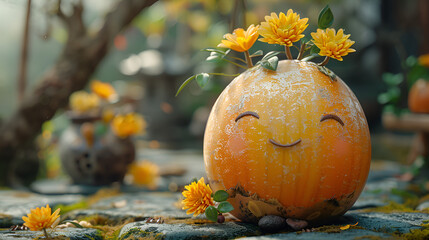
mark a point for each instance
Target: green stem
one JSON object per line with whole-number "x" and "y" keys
{"x": 236, "y": 64}
{"x": 288, "y": 53}
{"x": 301, "y": 51}
{"x": 224, "y": 74}
{"x": 46, "y": 234}
{"x": 248, "y": 59}
{"x": 236, "y": 58}
{"x": 308, "y": 58}
{"x": 324, "y": 62}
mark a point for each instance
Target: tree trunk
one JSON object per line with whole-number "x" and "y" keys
{"x": 78, "y": 61}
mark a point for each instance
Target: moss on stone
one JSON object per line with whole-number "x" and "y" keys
{"x": 391, "y": 208}
{"x": 135, "y": 233}
{"x": 418, "y": 234}
{"x": 68, "y": 208}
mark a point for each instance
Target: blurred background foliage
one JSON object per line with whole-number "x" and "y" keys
{"x": 149, "y": 61}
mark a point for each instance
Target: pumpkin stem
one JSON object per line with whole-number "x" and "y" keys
{"x": 324, "y": 62}
{"x": 248, "y": 59}
{"x": 288, "y": 53}
{"x": 301, "y": 51}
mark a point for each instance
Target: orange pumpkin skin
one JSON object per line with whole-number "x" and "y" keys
{"x": 418, "y": 97}
{"x": 316, "y": 179}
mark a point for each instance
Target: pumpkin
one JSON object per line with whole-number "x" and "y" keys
{"x": 418, "y": 97}
{"x": 292, "y": 142}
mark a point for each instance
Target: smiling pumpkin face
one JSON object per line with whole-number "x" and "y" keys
{"x": 291, "y": 142}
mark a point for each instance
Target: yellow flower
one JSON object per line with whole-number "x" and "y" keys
{"x": 144, "y": 173}
{"x": 331, "y": 44}
{"x": 240, "y": 40}
{"x": 104, "y": 90}
{"x": 40, "y": 219}
{"x": 82, "y": 101}
{"x": 283, "y": 29}
{"x": 197, "y": 197}
{"x": 127, "y": 125}
{"x": 424, "y": 60}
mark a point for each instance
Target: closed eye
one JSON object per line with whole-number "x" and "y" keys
{"x": 247, "y": 113}
{"x": 332, "y": 116}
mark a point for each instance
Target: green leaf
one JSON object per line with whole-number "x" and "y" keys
{"x": 314, "y": 50}
{"x": 270, "y": 64}
{"x": 202, "y": 79}
{"x": 395, "y": 94}
{"x": 213, "y": 58}
{"x": 270, "y": 55}
{"x": 184, "y": 84}
{"x": 257, "y": 53}
{"x": 384, "y": 98}
{"x": 392, "y": 79}
{"x": 411, "y": 61}
{"x": 225, "y": 207}
{"x": 214, "y": 50}
{"x": 211, "y": 213}
{"x": 326, "y": 18}
{"x": 74, "y": 223}
{"x": 220, "y": 196}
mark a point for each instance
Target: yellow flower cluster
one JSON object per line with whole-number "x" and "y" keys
{"x": 83, "y": 102}
{"x": 126, "y": 125}
{"x": 41, "y": 218}
{"x": 197, "y": 197}
{"x": 331, "y": 44}
{"x": 285, "y": 29}
{"x": 144, "y": 173}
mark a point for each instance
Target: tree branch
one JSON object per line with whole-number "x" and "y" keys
{"x": 78, "y": 61}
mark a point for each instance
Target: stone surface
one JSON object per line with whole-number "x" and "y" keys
{"x": 71, "y": 233}
{"x": 182, "y": 231}
{"x": 15, "y": 204}
{"x": 136, "y": 206}
{"x": 388, "y": 222}
{"x": 351, "y": 234}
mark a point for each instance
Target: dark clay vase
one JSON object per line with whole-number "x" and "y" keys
{"x": 100, "y": 162}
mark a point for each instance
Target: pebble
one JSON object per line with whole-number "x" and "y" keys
{"x": 272, "y": 223}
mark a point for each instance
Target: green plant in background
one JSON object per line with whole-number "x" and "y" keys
{"x": 418, "y": 68}
{"x": 391, "y": 98}
{"x": 415, "y": 68}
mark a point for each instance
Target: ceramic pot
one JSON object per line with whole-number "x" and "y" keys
{"x": 94, "y": 160}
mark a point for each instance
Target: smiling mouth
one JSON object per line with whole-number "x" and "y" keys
{"x": 284, "y": 145}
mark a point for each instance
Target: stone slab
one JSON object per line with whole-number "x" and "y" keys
{"x": 388, "y": 222}
{"x": 182, "y": 231}
{"x": 350, "y": 234}
{"x": 135, "y": 206}
{"x": 71, "y": 233}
